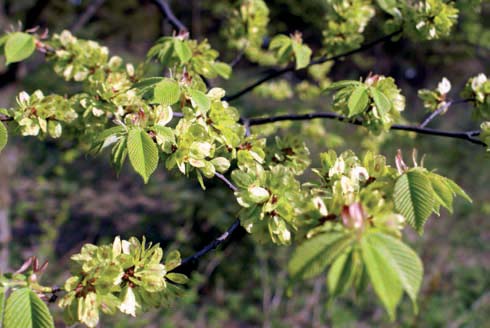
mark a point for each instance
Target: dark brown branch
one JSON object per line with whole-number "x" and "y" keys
{"x": 320, "y": 60}
{"x": 463, "y": 135}
{"x": 192, "y": 260}
{"x": 167, "y": 11}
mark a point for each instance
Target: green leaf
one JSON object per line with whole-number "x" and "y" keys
{"x": 341, "y": 84}
{"x": 143, "y": 153}
{"x": 19, "y": 46}
{"x": 3, "y": 136}
{"x": 166, "y": 92}
{"x": 402, "y": 259}
{"x": 457, "y": 189}
{"x": 223, "y": 69}
{"x": 302, "y": 53}
{"x": 443, "y": 194}
{"x": 183, "y": 50}
{"x": 383, "y": 277}
{"x": 178, "y": 278}
{"x": 119, "y": 153}
{"x": 2, "y": 303}
{"x": 202, "y": 102}
{"x": 342, "y": 273}
{"x": 315, "y": 254}
{"x": 358, "y": 101}
{"x": 414, "y": 198}
{"x": 24, "y": 309}
{"x": 383, "y": 104}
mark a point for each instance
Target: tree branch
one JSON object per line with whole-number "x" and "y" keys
{"x": 463, "y": 135}
{"x": 86, "y": 15}
{"x": 320, "y": 60}
{"x": 167, "y": 11}
{"x": 211, "y": 246}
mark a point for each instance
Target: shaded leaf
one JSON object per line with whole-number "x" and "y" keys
{"x": 382, "y": 276}
{"x": 383, "y": 104}
{"x": 183, "y": 50}
{"x": 315, "y": 254}
{"x": 358, "y": 101}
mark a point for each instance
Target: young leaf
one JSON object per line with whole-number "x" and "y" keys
{"x": 457, "y": 190}
{"x": 223, "y": 69}
{"x": 19, "y": 46}
{"x": 143, "y": 153}
{"x": 443, "y": 194}
{"x": 383, "y": 104}
{"x": 199, "y": 98}
{"x": 402, "y": 259}
{"x": 342, "y": 273}
{"x": 3, "y": 136}
{"x": 166, "y": 92}
{"x": 25, "y": 309}
{"x": 313, "y": 256}
{"x": 302, "y": 53}
{"x": 341, "y": 84}
{"x": 383, "y": 277}
{"x": 358, "y": 101}
{"x": 183, "y": 50}
{"x": 414, "y": 198}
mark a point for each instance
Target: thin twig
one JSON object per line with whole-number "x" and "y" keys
{"x": 86, "y": 15}
{"x": 213, "y": 245}
{"x": 320, "y": 60}
{"x": 464, "y": 135}
{"x": 228, "y": 183}
{"x": 441, "y": 109}
{"x": 174, "y": 21}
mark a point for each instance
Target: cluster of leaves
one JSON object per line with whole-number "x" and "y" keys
{"x": 198, "y": 59}
{"x": 345, "y": 24}
{"x": 428, "y": 19}
{"x": 434, "y": 99}
{"x": 477, "y": 89}
{"x": 355, "y": 224}
{"x": 246, "y": 28}
{"x": 127, "y": 276}
{"x": 377, "y": 101}
{"x": 287, "y": 47}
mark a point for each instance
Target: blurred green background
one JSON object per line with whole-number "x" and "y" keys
{"x": 54, "y": 198}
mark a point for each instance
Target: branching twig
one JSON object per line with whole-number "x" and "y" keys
{"x": 228, "y": 183}
{"x": 464, "y": 135}
{"x": 320, "y": 60}
{"x": 441, "y": 109}
{"x": 174, "y": 21}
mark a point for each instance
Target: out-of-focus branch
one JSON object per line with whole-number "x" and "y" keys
{"x": 172, "y": 19}
{"x": 320, "y": 60}
{"x": 85, "y": 17}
